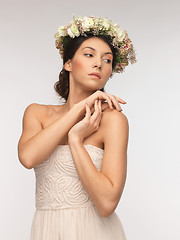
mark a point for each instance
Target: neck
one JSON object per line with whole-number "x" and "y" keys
{"x": 76, "y": 95}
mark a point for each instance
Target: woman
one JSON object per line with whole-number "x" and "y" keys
{"x": 79, "y": 149}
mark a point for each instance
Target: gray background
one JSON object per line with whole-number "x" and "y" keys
{"x": 30, "y": 64}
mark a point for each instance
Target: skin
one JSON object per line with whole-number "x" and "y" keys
{"x": 106, "y": 129}
{"x": 84, "y": 62}
{"x": 105, "y": 187}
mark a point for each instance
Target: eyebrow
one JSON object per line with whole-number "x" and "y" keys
{"x": 95, "y": 50}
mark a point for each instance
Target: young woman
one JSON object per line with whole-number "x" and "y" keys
{"x": 79, "y": 149}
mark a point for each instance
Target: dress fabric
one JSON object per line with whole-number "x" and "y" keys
{"x": 64, "y": 210}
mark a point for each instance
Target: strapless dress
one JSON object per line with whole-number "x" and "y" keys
{"x": 64, "y": 210}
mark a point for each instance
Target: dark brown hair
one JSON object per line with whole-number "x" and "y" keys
{"x": 70, "y": 47}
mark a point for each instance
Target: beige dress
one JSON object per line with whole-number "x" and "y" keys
{"x": 64, "y": 210}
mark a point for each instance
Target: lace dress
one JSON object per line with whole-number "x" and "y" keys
{"x": 64, "y": 210}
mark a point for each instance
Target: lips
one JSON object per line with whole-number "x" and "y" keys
{"x": 95, "y": 74}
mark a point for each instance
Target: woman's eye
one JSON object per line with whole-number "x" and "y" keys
{"x": 88, "y": 54}
{"x": 108, "y": 60}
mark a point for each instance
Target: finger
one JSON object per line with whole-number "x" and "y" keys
{"x": 115, "y": 102}
{"x": 88, "y": 112}
{"x": 96, "y": 120}
{"x": 121, "y": 101}
{"x": 92, "y": 109}
{"x": 104, "y": 106}
{"x": 96, "y": 112}
{"x": 105, "y": 97}
{"x": 100, "y": 107}
{"x": 118, "y": 99}
{"x": 101, "y": 94}
{"x": 109, "y": 101}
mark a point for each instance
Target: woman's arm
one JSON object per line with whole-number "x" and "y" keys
{"x": 105, "y": 187}
{"x": 35, "y": 143}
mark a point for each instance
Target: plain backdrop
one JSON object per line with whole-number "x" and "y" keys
{"x": 149, "y": 207}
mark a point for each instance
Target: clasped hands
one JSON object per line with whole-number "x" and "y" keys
{"x": 94, "y": 106}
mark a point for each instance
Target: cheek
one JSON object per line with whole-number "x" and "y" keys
{"x": 109, "y": 70}
{"x": 78, "y": 65}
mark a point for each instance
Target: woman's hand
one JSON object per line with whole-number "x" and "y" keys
{"x": 88, "y": 125}
{"x": 102, "y": 96}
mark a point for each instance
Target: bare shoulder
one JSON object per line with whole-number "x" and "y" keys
{"x": 40, "y": 110}
{"x": 35, "y": 108}
{"x": 114, "y": 124}
{"x": 35, "y": 115}
{"x": 112, "y": 115}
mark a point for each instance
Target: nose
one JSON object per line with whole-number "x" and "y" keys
{"x": 97, "y": 63}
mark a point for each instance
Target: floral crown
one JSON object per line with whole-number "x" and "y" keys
{"x": 98, "y": 26}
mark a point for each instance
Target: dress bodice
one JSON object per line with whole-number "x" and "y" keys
{"x": 57, "y": 181}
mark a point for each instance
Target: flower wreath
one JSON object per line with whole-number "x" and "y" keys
{"x": 98, "y": 26}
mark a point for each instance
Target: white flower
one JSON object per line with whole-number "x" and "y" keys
{"x": 61, "y": 31}
{"x": 123, "y": 34}
{"x": 98, "y": 26}
{"x": 87, "y": 23}
{"x": 106, "y": 24}
{"x": 120, "y": 33}
{"x": 79, "y": 19}
{"x": 73, "y": 31}
{"x": 70, "y": 33}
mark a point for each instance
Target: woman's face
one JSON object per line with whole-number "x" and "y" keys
{"x": 93, "y": 56}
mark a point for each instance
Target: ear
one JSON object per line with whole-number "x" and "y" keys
{"x": 67, "y": 66}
